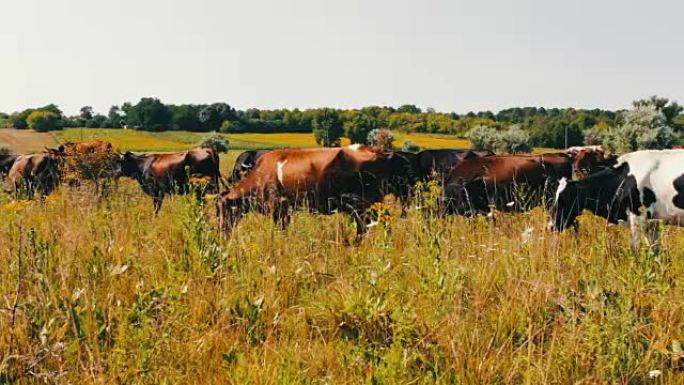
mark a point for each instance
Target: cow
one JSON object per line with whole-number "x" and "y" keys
{"x": 6, "y": 162}
{"x": 588, "y": 160}
{"x": 244, "y": 164}
{"x": 165, "y": 173}
{"x": 34, "y": 172}
{"x": 438, "y": 163}
{"x": 325, "y": 180}
{"x": 204, "y": 162}
{"x": 82, "y": 148}
{"x": 652, "y": 179}
{"x": 477, "y": 185}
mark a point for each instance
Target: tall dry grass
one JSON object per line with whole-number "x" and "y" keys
{"x": 100, "y": 290}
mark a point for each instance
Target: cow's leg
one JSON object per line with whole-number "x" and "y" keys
{"x": 361, "y": 225}
{"x": 635, "y": 223}
{"x": 158, "y": 199}
{"x": 281, "y": 212}
{"x": 653, "y": 236}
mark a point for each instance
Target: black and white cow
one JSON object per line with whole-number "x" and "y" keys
{"x": 652, "y": 180}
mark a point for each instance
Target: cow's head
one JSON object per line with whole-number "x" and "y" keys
{"x": 590, "y": 160}
{"x": 566, "y": 207}
{"x": 129, "y": 165}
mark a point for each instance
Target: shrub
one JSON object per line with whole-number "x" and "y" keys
{"x": 512, "y": 141}
{"x": 483, "y": 138}
{"x": 644, "y": 128}
{"x": 410, "y": 146}
{"x": 43, "y": 121}
{"x": 327, "y": 127}
{"x": 381, "y": 138}
{"x": 4, "y": 149}
{"x": 216, "y": 142}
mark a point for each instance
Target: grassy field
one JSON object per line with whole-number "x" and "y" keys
{"x": 100, "y": 290}
{"x": 130, "y": 140}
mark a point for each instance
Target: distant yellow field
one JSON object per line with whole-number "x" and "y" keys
{"x": 131, "y": 140}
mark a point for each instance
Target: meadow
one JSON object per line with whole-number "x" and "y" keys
{"x": 100, "y": 290}
{"x": 131, "y": 140}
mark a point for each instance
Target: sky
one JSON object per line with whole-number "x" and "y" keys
{"x": 451, "y": 55}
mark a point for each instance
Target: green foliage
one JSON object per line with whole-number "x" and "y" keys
{"x": 381, "y": 138}
{"x": 214, "y": 115}
{"x": 4, "y": 149}
{"x": 43, "y": 121}
{"x": 149, "y": 114}
{"x": 510, "y": 141}
{"x": 410, "y": 146}
{"x": 644, "y": 127}
{"x": 327, "y": 127}
{"x": 358, "y": 127}
{"x": 216, "y": 142}
{"x": 97, "y": 121}
{"x": 186, "y": 117}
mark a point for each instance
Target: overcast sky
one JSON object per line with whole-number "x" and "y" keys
{"x": 457, "y": 55}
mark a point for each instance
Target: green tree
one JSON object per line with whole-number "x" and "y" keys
{"x": 327, "y": 127}
{"x": 86, "y": 113}
{"x": 149, "y": 114}
{"x": 18, "y": 119}
{"x": 43, "y": 121}
{"x": 410, "y": 108}
{"x": 645, "y": 127}
{"x": 358, "y": 127}
{"x": 186, "y": 117}
{"x": 114, "y": 117}
{"x": 214, "y": 115}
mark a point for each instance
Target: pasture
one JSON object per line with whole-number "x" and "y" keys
{"x": 100, "y": 290}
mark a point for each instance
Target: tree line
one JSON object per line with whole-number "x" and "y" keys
{"x": 545, "y": 127}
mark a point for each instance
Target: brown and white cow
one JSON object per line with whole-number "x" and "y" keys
{"x": 324, "y": 180}
{"x": 588, "y": 160}
{"x": 34, "y": 172}
{"x": 504, "y": 182}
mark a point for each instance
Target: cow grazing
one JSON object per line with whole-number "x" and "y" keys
{"x": 325, "y": 180}
{"x": 83, "y": 148}
{"x": 652, "y": 179}
{"x": 162, "y": 174}
{"x": 588, "y": 160}
{"x": 244, "y": 164}
{"x": 438, "y": 163}
{"x": 477, "y": 185}
{"x": 34, "y": 172}
{"x": 204, "y": 162}
{"x": 6, "y": 162}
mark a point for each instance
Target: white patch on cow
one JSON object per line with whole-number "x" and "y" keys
{"x": 561, "y": 186}
{"x": 355, "y": 146}
{"x": 279, "y": 170}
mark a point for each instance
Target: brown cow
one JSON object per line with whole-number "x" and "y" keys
{"x": 326, "y": 180}
{"x": 166, "y": 173}
{"x": 588, "y": 160}
{"x": 82, "y": 148}
{"x": 34, "y": 172}
{"x": 504, "y": 182}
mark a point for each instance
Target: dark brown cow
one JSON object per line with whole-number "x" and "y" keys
{"x": 326, "y": 180}
{"x": 438, "y": 163}
{"x": 504, "y": 182}
{"x": 162, "y": 174}
{"x": 34, "y": 172}
{"x": 6, "y": 162}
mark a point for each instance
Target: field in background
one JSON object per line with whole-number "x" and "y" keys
{"x": 131, "y": 140}
{"x": 107, "y": 292}
{"x": 24, "y": 141}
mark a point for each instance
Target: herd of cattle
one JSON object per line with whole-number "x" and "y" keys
{"x": 350, "y": 179}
